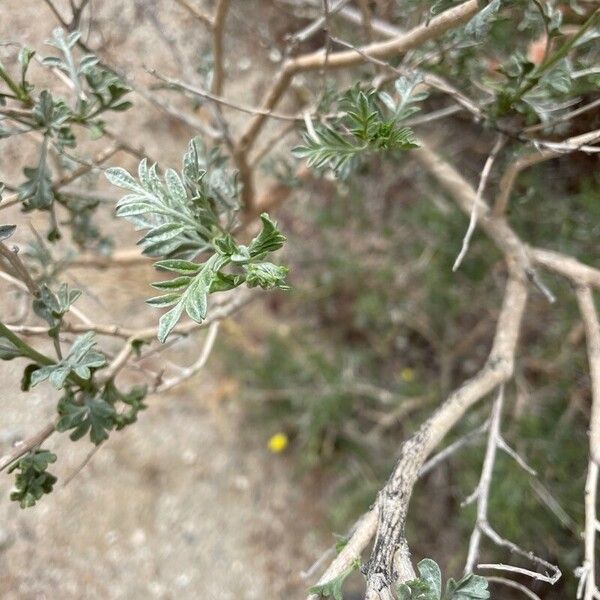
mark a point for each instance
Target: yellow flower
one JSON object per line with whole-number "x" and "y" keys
{"x": 278, "y": 443}
{"x": 407, "y": 375}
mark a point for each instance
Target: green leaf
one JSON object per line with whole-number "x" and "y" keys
{"x": 470, "y": 587}
{"x": 188, "y": 215}
{"x": 266, "y": 275}
{"x": 33, "y": 479}
{"x": 185, "y": 267}
{"x": 172, "y": 284}
{"x": 363, "y": 128}
{"x": 404, "y": 592}
{"x": 80, "y": 361}
{"x": 91, "y": 414}
{"x": 162, "y": 233}
{"x": 432, "y": 576}
{"x": 162, "y": 301}
{"x": 37, "y": 188}
{"x": 479, "y": 26}
{"x": 52, "y": 306}
{"x": 268, "y": 240}
{"x": 121, "y": 178}
{"x": 175, "y": 187}
{"x": 168, "y": 321}
{"x": 196, "y": 301}
{"x": 133, "y": 400}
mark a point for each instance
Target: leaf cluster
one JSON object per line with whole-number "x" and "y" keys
{"x": 187, "y": 215}
{"x": 95, "y": 411}
{"x": 81, "y": 361}
{"x": 96, "y": 90}
{"x": 371, "y": 121}
{"x": 33, "y": 479}
{"x": 428, "y": 586}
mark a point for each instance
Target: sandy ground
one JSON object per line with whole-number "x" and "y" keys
{"x": 188, "y": 503}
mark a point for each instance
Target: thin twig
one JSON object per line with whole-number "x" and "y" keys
{"x": 482, "y": 491}
{"x": 587, "y": 308}
{"x": 12, "y": 256}
{"x": 218, "y": 60}
{"x": 485, "y": 173}
{"x": 26, "y": 445}
{"x": 514, "y": 585}
{"x": 194, "y": 368}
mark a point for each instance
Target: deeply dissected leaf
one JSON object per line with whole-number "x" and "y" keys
{"x": 478, "y": 27}
{"x": 266, "y": 275}
{"x": 80, "y": 361}
{"x": 428, "y": 586}
{"x": 33, "y": 479}
{"x": 91, "y": 414}
{"x": 185, "y": 216}
{"x": 269, "y": 239}
{"x": 52, "y": 306}
{"x": 470, "y": 587}
{"x": 363, "y": 128}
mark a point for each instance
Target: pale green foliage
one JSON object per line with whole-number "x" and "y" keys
{"x": 189, "y": 214}
{"x": 365, "y": 126}
{"x": 429, "y": 585}
{"x": 32, "y": 480}
{"x": 80, "y": 361}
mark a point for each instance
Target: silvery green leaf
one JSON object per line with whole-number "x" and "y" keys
{"x": 470, "y": 587}
{"x": 223, "y": 281}
{"x": 266, "y": 275}
{"x": 175, "y": 187}
{"x": 185, "y": 267}
{"x": 172, "y": 284}
{"x": 130, "y": 210}
{"x": 143, "y": 174}
{"x": 80, "y": 360}
{"x": 58, "y": 377}
{"x": 196, "y": 301}
{"x": 163, "y": 248}
{"x": 82, "y": 345}
{"x": 168, "y": 321}
{"x": 162, "y": 301}
{"x": 41, "y": 375}
{"x": 88, "y": 61}
{"x": 431, "y": 574}
{"x": 134, "y": 199}
{"x": 269, "y": 239}
{"x": 478, "y": 27}
{"x": 403, "y": 592}
{"x": 121, "y": 178}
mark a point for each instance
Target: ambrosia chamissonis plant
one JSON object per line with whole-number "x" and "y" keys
{"x": 189, "y": 215}
{"x": 189, "y": 220}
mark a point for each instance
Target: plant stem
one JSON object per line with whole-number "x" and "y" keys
{"x": 24, "y": 347}
{"x": 19, "y": 92}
